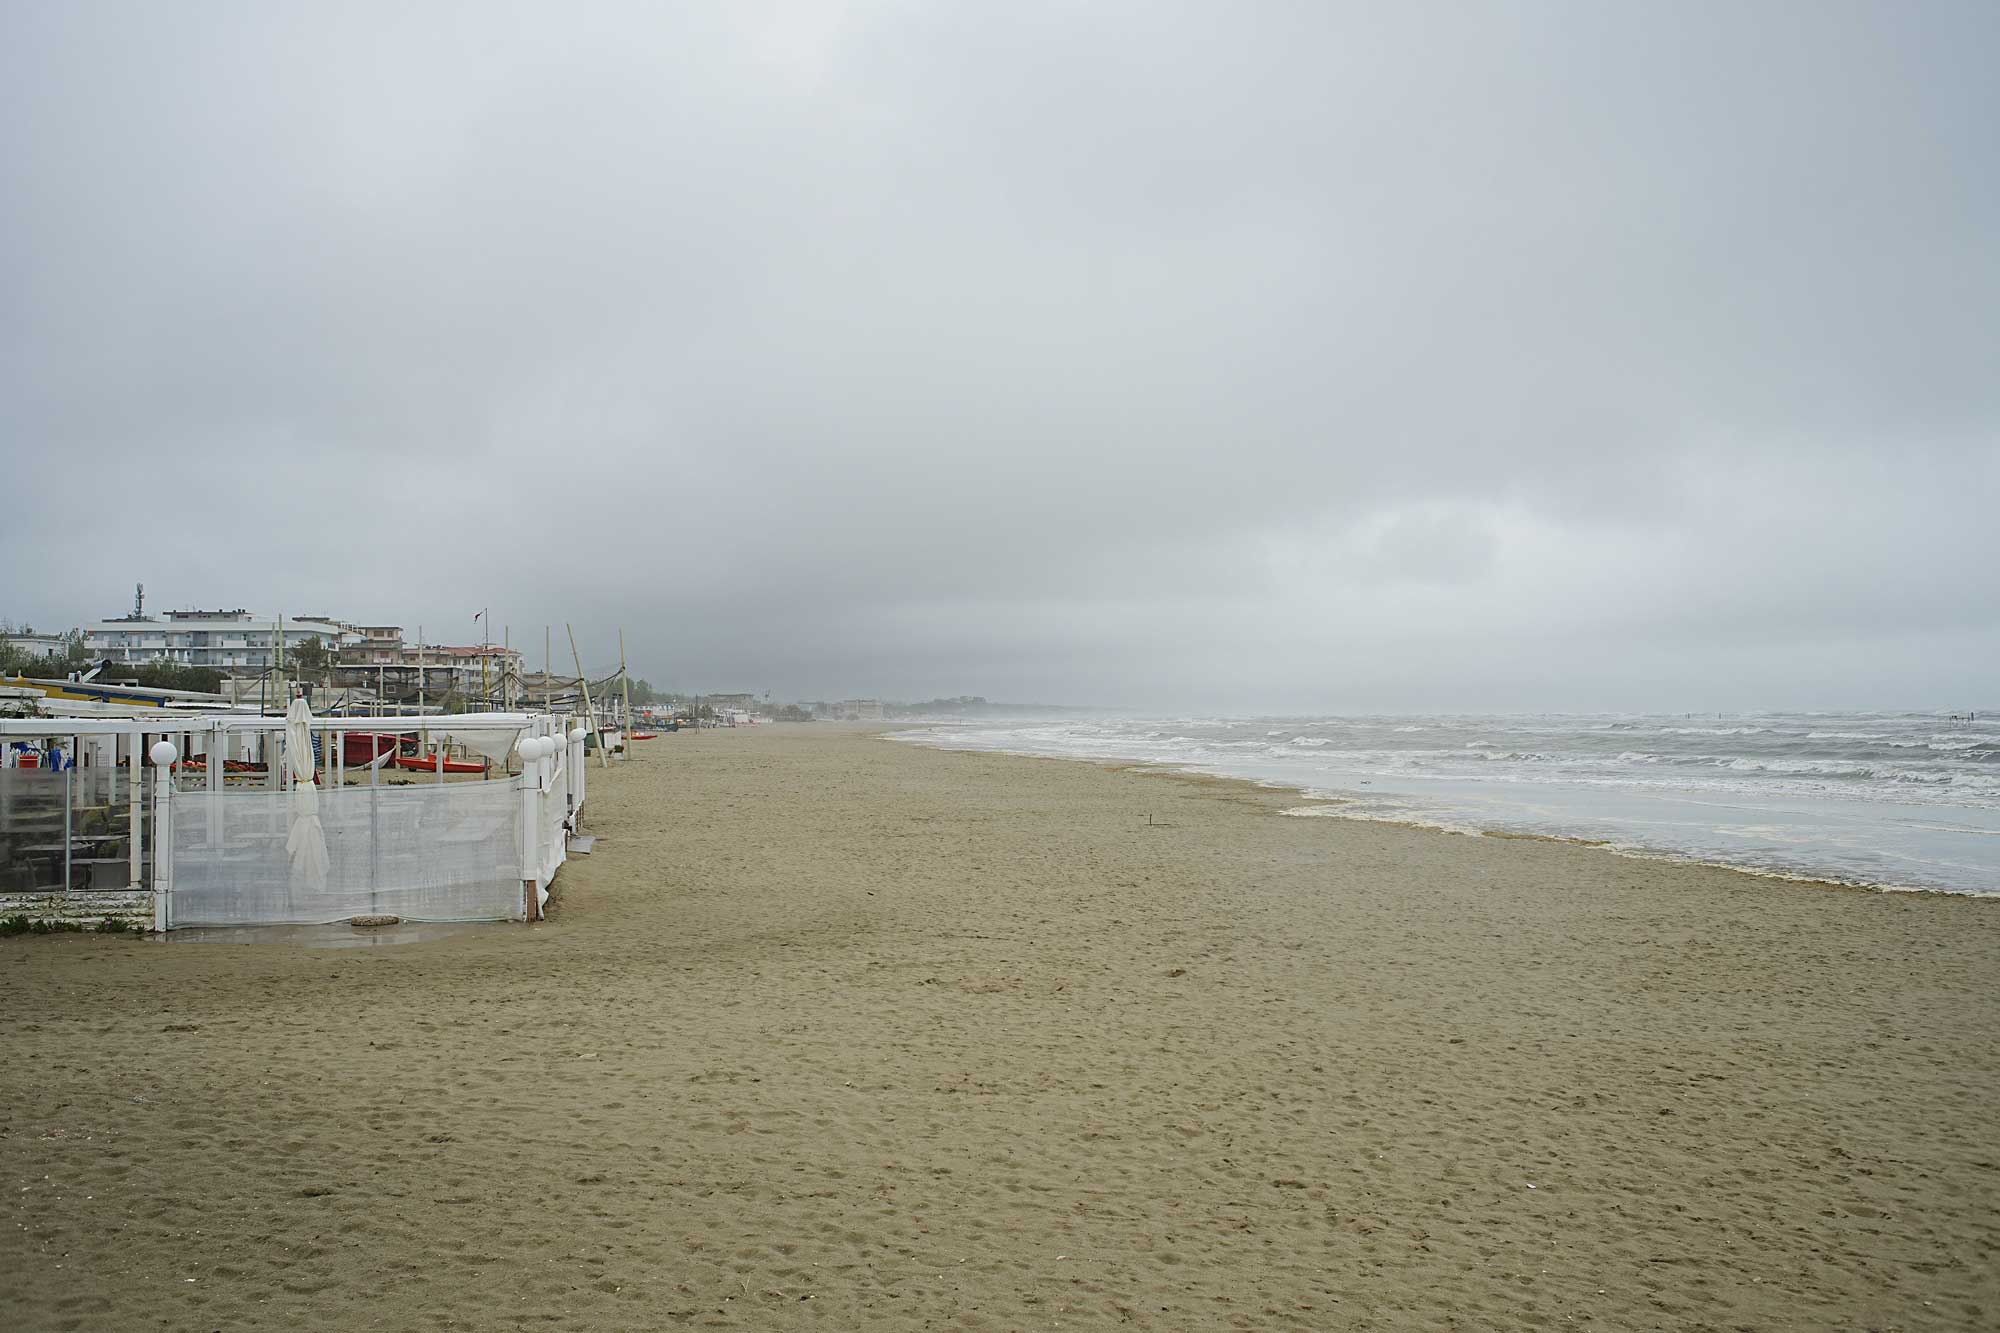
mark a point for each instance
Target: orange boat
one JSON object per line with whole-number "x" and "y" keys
{"x": 645, "y": 735}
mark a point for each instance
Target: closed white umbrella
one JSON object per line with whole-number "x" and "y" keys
{"x": 307, "y": 841}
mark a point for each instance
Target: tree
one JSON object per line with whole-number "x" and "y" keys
{"x": 18, "y": 661}
{"x": 311, "y": 660}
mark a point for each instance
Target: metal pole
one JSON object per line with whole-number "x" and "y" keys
{"x": 216, "y": 764}
{"x": 69, "y": 801}
{"x": 375, "y": 835}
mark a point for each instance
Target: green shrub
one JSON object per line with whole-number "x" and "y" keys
{"x": 21, "y": 924}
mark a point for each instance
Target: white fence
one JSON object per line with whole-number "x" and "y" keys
{"x": 251, "y": 849}
{"x": 420, "y": 852}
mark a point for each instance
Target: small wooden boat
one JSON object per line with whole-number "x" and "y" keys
{"x": 645, "y": 735}
{"x": 429, "y": 763}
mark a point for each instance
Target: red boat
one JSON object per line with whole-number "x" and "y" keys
{"x": 429, "y": 764}
{"x": 361, "y": 748}
{"x": 645, "y": 735}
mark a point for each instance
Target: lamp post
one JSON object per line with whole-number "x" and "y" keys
{"x": 164, "y": 754}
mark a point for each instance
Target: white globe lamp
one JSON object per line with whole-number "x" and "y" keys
{"x": 164, "y": 753}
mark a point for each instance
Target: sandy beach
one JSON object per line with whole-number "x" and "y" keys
{"x": 839, "y": 1033}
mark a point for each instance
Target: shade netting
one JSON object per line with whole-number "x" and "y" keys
{"x": 423, "y": 852}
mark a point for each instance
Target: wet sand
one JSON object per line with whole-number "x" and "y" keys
{"x": 832, "y": 1032}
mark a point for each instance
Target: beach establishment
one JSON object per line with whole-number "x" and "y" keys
{"x": 170, "y": 820}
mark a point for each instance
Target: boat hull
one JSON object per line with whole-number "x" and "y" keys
{"x": 362, "y": 748}
{"x": 429, "y": 764}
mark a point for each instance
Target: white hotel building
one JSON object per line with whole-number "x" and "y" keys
{"x": 223, "y": 639}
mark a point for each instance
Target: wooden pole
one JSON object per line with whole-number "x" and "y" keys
{"x": 625, "y": 681}
{"x": 589, "y": 713}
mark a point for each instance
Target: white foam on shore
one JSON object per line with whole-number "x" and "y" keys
{"x": 1817, "y": 798}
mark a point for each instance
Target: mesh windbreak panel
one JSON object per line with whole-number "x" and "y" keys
{"x": 446, "y": 852}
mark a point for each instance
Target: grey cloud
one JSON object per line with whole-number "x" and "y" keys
{"x": 1307, "y": 355}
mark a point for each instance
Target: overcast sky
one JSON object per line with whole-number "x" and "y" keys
{"x": 1241, "y": 357}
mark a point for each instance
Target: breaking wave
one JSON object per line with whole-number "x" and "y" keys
{"x": 1896, "y": 799}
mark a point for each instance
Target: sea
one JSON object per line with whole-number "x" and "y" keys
{"x": 1893, "y": 800}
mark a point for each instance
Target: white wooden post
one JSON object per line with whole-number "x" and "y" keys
{"x": 531, "y": 864}
{"x": 163, "y": 841}
{"x": 135, "y": 797}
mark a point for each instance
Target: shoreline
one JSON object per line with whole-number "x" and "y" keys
{"x": 832, "y": 1033}
{"x": 1324, "y": 801}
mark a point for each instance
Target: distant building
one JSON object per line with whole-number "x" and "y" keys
{"x": 860, "y": 710}
{"x": 379, "y": 645}
{"x": 724, "y": 703}
{"x": 226, "y": 640}
{"x": 35, "y": 645}
{"x": 476, "y": 670}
